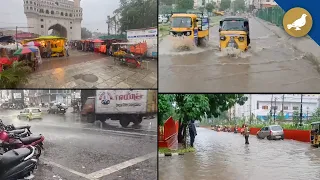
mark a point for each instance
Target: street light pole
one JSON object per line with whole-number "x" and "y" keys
{"x": 275, "y": 107}
{"x": 271, "y": 108}
{"x": 301, "y": 111}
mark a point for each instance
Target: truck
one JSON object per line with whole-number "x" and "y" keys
{"x": 126, "y": 106}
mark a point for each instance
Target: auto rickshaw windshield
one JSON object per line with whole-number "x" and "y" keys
{"x": 315, "y": 126}
{"x": 181, "y": 22}
{"x": 233, "y": 26}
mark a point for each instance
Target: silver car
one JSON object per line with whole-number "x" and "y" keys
{"x": 271, "y": 132}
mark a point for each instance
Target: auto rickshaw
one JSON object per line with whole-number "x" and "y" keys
{"x": 234, "y": 33}
{"x": 315, "y": 134}
{"x": 190, "y": 25}
{"x": 129, "y": 53}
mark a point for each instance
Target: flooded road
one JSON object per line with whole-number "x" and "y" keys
{"x": 222, "y": 155}
{"x": 270, "y": 65}
{"x": 75, "y": 150}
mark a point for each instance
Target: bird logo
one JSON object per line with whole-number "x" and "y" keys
{"x": 297, "y": 22}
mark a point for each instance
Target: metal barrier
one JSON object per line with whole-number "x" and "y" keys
{"x": 273, "y": 15}
{"x": 168, "y": 134}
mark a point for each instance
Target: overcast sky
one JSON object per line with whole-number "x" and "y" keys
{"x": 95, "y": 13}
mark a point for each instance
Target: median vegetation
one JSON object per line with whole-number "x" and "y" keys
{"x": 179, "y": 151}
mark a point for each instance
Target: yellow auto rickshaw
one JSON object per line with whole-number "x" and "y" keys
{"x": 315, "y": 134}
{"x": 191, "y": 25}
{"x": 234, "y": 33}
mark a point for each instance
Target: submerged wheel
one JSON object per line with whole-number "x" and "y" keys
{"x": 124, "y": 121}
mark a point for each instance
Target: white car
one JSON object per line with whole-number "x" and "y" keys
{"x": 162, "y": 19}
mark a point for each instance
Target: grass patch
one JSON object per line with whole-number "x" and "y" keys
{"x": 185, "y": 150}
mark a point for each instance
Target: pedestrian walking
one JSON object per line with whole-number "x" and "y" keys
{"x": 49, "y": 51}
{"x": 192, "y": 132}
{"x": 246, "y": 134}
{"x": 66, "y": 47}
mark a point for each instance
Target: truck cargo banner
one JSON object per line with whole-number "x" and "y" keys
{"x": 121, "y": 101}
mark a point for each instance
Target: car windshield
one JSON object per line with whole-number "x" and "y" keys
{"x": 276, "y": 128}
{"x": 233, "y": 25}
{"x": 182, "y": 22}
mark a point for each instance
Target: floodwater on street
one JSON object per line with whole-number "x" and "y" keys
{"x": 222, "y": 155}
{"x": 269, "y": 65}
{"x": 76, "y": 150}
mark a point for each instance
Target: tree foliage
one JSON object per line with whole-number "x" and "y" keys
{"x": 184, "y": 4}
{"x": 296, "y": 117}
{"x": 225, "y": 4}
{"x": 210, "y": 7}
{"x": 136, "y": 14}
{"x": 239, "y": 5}
{"x": 194, "y": 106}
{"x": 85, "y": 33}
{"x": 17, "y": 73}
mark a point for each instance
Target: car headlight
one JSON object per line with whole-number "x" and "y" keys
{"x": 188, "y": 33}
{"x": 222, "y": 38}
{"x": 241, "y": 39}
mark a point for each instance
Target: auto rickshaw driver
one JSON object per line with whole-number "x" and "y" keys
{"x": 234, "y": 33}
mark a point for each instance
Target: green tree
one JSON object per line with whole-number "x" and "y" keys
{"x": 85, "y": 33}
{"x": 210, "y": 7}
{"x": 296, "y": 118}
{"x": 315, "y": 116}
{"x": 165, "y": 107}
{"x": 185, "y": 4}
{"x": 225, "y": 4}
{"x": 136, "y": 14}
{"x": 239, "y": 5}
{"x": 193, "y": 106}
{"x": 281, "y": 116}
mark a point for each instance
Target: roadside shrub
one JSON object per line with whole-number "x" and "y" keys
{"x": 15, "y": 75}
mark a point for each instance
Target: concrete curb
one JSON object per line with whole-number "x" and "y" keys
{"x": 304, "y": 44}
{"x": 170, "y": 154}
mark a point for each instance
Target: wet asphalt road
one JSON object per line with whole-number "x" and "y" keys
{"x": 222, "y": 155}
{"x": 270, "y": 65}
{"x": 78, "y": 151}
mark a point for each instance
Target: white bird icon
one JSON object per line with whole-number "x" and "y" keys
{"x": 298, "y": 23}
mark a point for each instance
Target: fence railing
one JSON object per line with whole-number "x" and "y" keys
{"x": 273, "y": 15}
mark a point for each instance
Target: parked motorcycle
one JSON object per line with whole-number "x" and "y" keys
{"x": 12, "y": 127}
{"x": 18, "y": 164}
{"x": 14, "y": 141}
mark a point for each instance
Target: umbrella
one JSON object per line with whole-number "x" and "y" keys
{"x": 97, "y": 41}
{"x": 33, "y": 43}
{"x": 25, "y": 50}
{"x": 5, "y": 60}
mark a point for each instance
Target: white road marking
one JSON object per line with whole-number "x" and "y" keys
{"x": 120, "y": 166}
{"x": 67, "y": 169}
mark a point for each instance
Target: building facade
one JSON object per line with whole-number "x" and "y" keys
{"x": 260, "y": 105}
{"x": 47, "y": 96}
{"x": 63, "y": 17}
{"x": 258, "y": 4}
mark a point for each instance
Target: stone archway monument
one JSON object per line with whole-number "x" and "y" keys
{"x": 58, "y": 30}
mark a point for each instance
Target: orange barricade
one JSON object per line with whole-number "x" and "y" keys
{"x": 254, "y": 131}
{"x": 298, "y": 135}
{"x": 168, "y": 134}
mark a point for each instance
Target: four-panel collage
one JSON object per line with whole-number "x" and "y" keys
{"x": 159, "y": 90}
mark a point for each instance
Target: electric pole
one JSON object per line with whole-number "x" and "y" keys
{"x": 250, "y": 109}
{"x": 271, "y": 108}
{"x": 275, "y": 109}
{"x": 301, "y": 111}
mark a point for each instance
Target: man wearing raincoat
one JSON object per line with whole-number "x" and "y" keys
{"x": 192, "y": 132}
{"x": 246, "y": 134}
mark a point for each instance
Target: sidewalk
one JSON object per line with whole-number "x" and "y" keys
{"x": 91, "y": 71}
{"x": 303, "y": 44}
